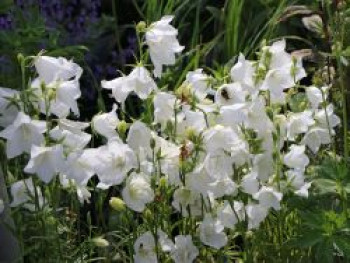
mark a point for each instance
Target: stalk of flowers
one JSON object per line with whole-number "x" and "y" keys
{"x": 209, "y": 165}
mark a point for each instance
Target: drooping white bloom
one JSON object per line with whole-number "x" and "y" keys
{"x": 145, "y": 249}
{"x": 22, "y": 193}
{"x": 257, "y": 117}
{"x": 78, "y": 166}
{"x": 139, "y": 81}
{"x": 8, "y": 111}
{"x": 263, "y": 166}
{"x": 82, "y": 191}
{"x": 46, "y": 162}
{"x": 184, "y": 250}
{"x": 211, "y": 232}
{"x": 199, "y": 83}
{"x": 269, "y": 197}
{"x": 243, "y": 71}
{"x": 314, "y": 96}
{"x": 137, "y": 192}
{"x": 297, "y": 180}
{"x": 22, "y": 134}
{"x": 163, "y": 44}
{"x": 53, "y": 69}
{"x": 227, "y": 215}
{"x": 139, "y": 136}
{"x": 229, "y": 94}
{"x": 59, "y": 98}
{"x": 184, "y": 200}
{"x": 112, "y": 162}
{"x": 250, "y": 183}
{"x": 326, "y": 118}
{"x": 276, "y": 81}
{"x": 2, "y": 206}
{"x": 105, "y": 124}
{"x": 61, "y": 78}
{"x": 164, "y": 107}
{"x": 191, "y": 120}
{"x": 70, "y": 134}
{"x": 296, "y": 157}
{"x": 315, "y": 137}
{"x": 219, "y": 139}
{"x": 256, "y": 214}
{"x": 298, "y": 123}
{"x": 234, "y": 115}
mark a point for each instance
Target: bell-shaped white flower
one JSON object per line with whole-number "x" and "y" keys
{"x": 243, "y": 71}
{"x": 112, "y": 163}
{"x": 52, "y": 69}
{"x": 137, "y": 192}
{"x": 139, "y": 136}
{"x": 297, "y": 180}
{"x": 315, "y": 137}
{"x": 269, "y": 197}
{"x": 229, "y": 94}
{"x": 296, "y": 157}
{"x": 59, "y": 98}
{"x": 106, "y": 124}
{"x": 227, "y": 215}
{"x": 219, "y": 139}
{"x": 199, "y": 83}
{"x": 70, "y": 134}
{"x": 185, "y": 200}
{"x": 139, "y": 81}
{"x": 162, "y": 43}
{"x": 211, "y": 232}
{"x": 46, "y": 162}
{"x": 22, "y": 134}
{"x": 250, "y": 183}
{"x": 8, "y": 111}
{"x": 23, "y": 192}
{"x": 298, "y": 123}
{"x": 164, "y": 107}
{"x": 78, "y": 166}
{"x": 145, "y": 249}
{"x": 184, "y": 250}
{"x": 326, "y": 118}
{"x": 314, "y": 96}
{"x": 256, "y": 214}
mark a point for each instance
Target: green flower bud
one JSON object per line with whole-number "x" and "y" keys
{"x": 117, "y": 204}
{"x": 147, "y": 213}
{"x": 141, "y": 26}
{"x": 100, "y": 242}
{"x": 163, "y": 182}
{"x": 122, "y": 127}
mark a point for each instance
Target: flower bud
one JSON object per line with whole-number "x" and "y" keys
{"x": 122, "y": 127}
{"x": 163, "y": 182}
{"x": 141, "y": 26}
{"x": 147, "y": 214}
{"x": 117, "y": 204}
{"x": 100, "y": 242}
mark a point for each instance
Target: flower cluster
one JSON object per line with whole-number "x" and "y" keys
{"x": 222, "y": 152}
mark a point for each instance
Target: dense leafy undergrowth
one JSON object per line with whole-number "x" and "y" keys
{"x": 177, "y": 158}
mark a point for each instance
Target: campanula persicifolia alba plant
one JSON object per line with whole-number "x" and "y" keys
{"x": 214, "y": 161}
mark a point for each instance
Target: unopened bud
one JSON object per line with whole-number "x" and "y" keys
{"x": 117, "y": 204}
{"x": 122, "y": 127}
{"x": 100, "y": 242}
{"x": 141, "y": 26}
{"x": 163, "y": 182}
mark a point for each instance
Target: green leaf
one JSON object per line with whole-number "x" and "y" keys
{"x": 308, "y": 239}
{"x": 326, "y": 186}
